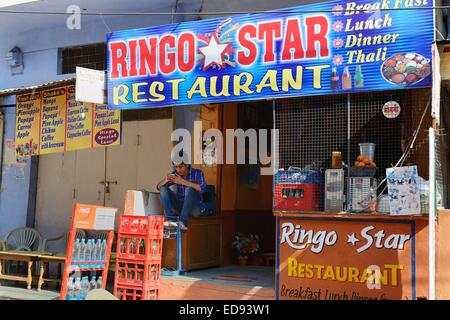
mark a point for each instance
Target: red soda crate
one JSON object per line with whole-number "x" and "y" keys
{"x": 137, "y": 274}
{"x": 151, "y": 293}
{"x": 137, "y": 293}
{"x": 139, "y": 248}
{"x": 297, "y": 196}
{"x": 142, "y": 225}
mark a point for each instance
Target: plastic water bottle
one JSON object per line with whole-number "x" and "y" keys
{"x": 100, "y": 282}
{"x": 76, "y": 250}
{"x": 94, "y": 253}
{"x": 89, "y": 248}
{"x": 84, "y": 287}
{"x": 103, "y": 251}
{"x": 77, "y": 289}
{"x": 70, "y": 287}
{"x": 92, "y": 284}
{"x": 99, "y": 250}
{"x": 82, "y": 254}
{"x": 94, "y": 250}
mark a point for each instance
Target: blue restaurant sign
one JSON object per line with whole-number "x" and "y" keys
{"x": 318, "y": 49}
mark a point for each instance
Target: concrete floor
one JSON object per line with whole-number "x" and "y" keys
{"x": 11, "y": 292}
{"x": 259, "y": 276}
{"x": 224, "y": 283}
{"x": 244, "y": 277}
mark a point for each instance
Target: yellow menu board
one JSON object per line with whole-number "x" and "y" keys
{"x": 52, "y": 121}
{"x": 79, "y": 123}
{"x": 107, "y": 125}
{"x": 28, "y": 117}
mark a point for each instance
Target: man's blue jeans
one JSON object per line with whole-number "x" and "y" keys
{"x": 190, "y": 205}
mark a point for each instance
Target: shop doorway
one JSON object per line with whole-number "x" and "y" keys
{"x": 246, "y": 195}
{"x": 101, "y": 176}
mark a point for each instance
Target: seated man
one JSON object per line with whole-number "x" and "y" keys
{"x": 187, "y": 200}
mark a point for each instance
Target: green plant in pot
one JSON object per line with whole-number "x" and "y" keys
{"x": 244, "y": 246}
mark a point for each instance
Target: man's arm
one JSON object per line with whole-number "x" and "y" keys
{"x": 179, "y": 180}
{"x": 162, "y": 183}
{"x": 200, "y": 187}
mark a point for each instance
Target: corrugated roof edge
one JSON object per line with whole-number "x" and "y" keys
{"x": 12, "y": 91}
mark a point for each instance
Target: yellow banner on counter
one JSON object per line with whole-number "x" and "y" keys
{"x": 52, "y": 121}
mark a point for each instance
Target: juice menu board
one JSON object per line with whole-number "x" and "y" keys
{"x": 52, "y": 121}
{"x": 106, "y": 126}
{"x": 28, "y": 117}
{"x": 79, "y": 123}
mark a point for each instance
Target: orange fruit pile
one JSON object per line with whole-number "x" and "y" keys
{"x": 364, "y": 161}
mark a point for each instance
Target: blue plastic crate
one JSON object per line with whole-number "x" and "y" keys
{"x": 298, "y": 176}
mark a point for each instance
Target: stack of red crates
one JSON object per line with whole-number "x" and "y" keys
{"x": 138, "y": 258}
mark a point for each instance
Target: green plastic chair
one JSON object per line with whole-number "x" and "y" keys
{"x": 22, "y": 239}
{"x": 79, "y": 234}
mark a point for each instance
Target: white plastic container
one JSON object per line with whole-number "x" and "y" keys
{"x": 383, "y": 204}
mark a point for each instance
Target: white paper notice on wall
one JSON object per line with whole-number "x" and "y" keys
{"x": 104, "y": 218}
{"x": 403, "y": 190}
{"x": 90, "y": 86}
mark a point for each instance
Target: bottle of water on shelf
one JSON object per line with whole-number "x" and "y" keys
{"x": 100, "y": 282}
{"x": 70, "y": 289}
{"x": 84, "y": 287}
{"x": 94, "y": 254}
{"x": 82, "y": 254}
{"x": 88, "y": 253}
{"x": 77, "y": 289}
{"x": 76, "y": 250}
{"x": 98, "y": 245}
{"x": 103, "y": 255}
{"x": 92, "y": 284}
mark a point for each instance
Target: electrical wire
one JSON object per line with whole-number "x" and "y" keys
{"x": 221, "y": 13}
